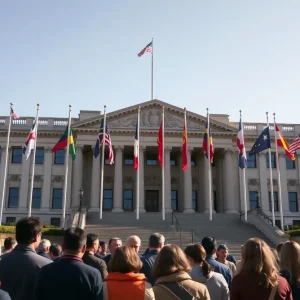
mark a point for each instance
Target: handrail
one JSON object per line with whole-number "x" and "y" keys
{"x": 260, "y": 212}
{"x": 177, "y": 226}
{"x": 79, "y": 213}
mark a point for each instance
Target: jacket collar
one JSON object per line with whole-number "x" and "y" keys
{"x": 180, "y": 276}
{"x": 210, "y": 257}
{"x": 152, "y": 252}
{"x": 23, "y": 248}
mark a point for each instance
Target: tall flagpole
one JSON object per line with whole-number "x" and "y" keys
{"x": 271, "y": 177}
{"x": 279, "y": 178}
{"x": 102, "y": 161}
{"x": 152, "y": 72}
{"x": 244, "y": 175}
{"x": 138, "y": 168}
{"x": 163, "y": 165}
{"x": 66, "y": 171}
{"x": 209, "y": 166}
{"x": 5, "y": 165}
{"x": 33, "y": 160}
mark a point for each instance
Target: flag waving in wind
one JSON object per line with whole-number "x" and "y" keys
{"x": 262, "y": 143}
{"x": 136, "y": 148}
{"x": 295, "y": 145}
{"x": 13, "y": 114}
{"x": 30, "y": 142}
{"x": 207, "y": 144}
{"x": 281, "y": 142}
{"x": 241, "y": 145}
{"x": 148, "y": 48}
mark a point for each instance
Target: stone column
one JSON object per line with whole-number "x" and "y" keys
{"x": 95, "y": 188}
{"x": 263, "y": 179}
{"x": 187, "y": 179}
{"x": 46, "y": 192}
{"x": 24, "y": 190}
{"x": 77, "y": 176}
{"x": 2, "y": 165}
{"x": 205, "y": 187}
{"x": 142, "y": 177}
{"x": 118, "y": 181}
{"x": 284, "y": 189}
{"x": 220, "y": 192}
{"x": 69, "y": 187}
{"x": 167, "y": 166}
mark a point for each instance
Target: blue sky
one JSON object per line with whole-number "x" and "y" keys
{"x": 225, "y": 55}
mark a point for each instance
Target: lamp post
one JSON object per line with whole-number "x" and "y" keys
{"x": 80, "y": 197}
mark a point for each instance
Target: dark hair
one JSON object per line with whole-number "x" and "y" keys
{"x": 114, "y": 239}
{"x": 209, "y": 244}
{"x": 101, "y": 243}
{"x": 197, "y": 253}
{"x": 9, "y": 242}
{"x": 278, "y": 247}
{"x": 170, "y": 260}
{"x": 74, "y": 239}
{"x": 91, "y": 239}
{"x": 125, "y": 260}
{"x": 155, "y": 240}
{"x": 55, "y": 250}
{"x": 27, "y": 229}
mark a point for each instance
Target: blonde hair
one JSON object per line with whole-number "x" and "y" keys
{"x": 258, "y": 258}
{"x": 290, "y": 261}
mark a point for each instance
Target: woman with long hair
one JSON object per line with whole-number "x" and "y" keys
{"x": 202, "y": 272}
{"x": 290, "y": 266}
{"x": 124, "y": 282}
{"x": 173, "y": 281}
{"x": 258, "y": 277}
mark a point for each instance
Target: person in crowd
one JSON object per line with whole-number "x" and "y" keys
{"x": 20, "y": 268}
{"x": 275, "y": 253}
{"x": 156, "y": 243}
{"x": 278, "y": 248}
{"x": 43, "y": 248}
{"x": 258, "y": 277}
{"x": 102, "y": 250}
{"x": 113, "y": 244}
{"x": 202, "y": 272}
{"x": 222, "y": 252}
{"x": 55, "y": 252}
{"x": 210, "y": 246}
{"x": 69, "y": 277}
{"x": 290, "y": 266}
{"x": 89, "y": 258}
{"x": 124, "y": 282}
{"x": 135, "y": 242}
{"x": 9, "y": 244}
{"x": 173, "y": 281}
{"x": 231, "y": 258}
{"x": 4, "y": 295}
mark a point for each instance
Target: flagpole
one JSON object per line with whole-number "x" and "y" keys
{"x": 271, "y": 177}
{"x": 152, "y": 71}
{"x": 66, "y": 170}
{"x": 5, "y": 165}
{"x": 279, "y": 178}
{"x": 244, "y": 175}
{"x": 33, "y": 160}
{"x": 138, "y": 168}
{"x": 163, "y": 164}
{"x": 102, "y": 161}
{"x": 209, "y": 166}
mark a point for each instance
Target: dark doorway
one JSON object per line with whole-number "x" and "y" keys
{"x": 152, "y": 201}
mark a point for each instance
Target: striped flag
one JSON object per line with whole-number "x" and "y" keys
{"x": 13, "y": 114}
{"x": 148, "y": 48}
{"x": 295, "y": 145}
{"x": 136, "y": 148}
{"x": 30, "y": 142}
{"x": 281, "y": 142}
{"x": 241, "y": 145}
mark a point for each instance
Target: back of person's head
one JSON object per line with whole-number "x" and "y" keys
{"x": 257, "y": 258}
{"x": 44, "y": 245}
{"x": 156, "y": 241}
{"x": 27, "y": 230}
{"x": 275, "y": 253}
{"x": 74, "y": 240}
{"x": 55, "y": 250}
{"x": 171, "y": 259}
{"x": 125, "y": 260}
{"x": 9, "y": 243}
{"x": 278, "y": 247}
{"x": 102, "y": 244}
{"x": 91, "y": 239}
{"x": 290, "y": 261}
{"x": 197, "y": 253}
{"x": 209, "y": 244}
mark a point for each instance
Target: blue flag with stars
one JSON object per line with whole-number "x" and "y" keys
{"x": 262, "y": 143}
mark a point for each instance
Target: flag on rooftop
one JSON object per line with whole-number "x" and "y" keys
{"x": 241, "y": 145}
{"x": 148, "y": 48}
{"x": 13, "y": 114}
{"x": 262, "y": 143}
{"x": 281, "y": 142}
{"x": 295, "y": 145}
{"x": 30, "y": 142}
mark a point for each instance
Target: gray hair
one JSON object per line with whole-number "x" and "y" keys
{"x": 155, "y": 240}
{"x": 134, "y": 238}
{"x": 44, "y": 244}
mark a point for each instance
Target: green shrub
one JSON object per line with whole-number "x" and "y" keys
{"x": 51, "y": 230}
{"x": 294, "y": 232}
{"x": 7, "y": 229}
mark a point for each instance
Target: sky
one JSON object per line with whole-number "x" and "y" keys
{"x": 222, "y": 55}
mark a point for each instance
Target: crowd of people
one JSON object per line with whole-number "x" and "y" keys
{"x": 84, "y": 267}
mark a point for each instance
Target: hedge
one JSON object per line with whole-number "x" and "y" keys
{"x": 294, "y": 232}
{"x": 47, "y": 230}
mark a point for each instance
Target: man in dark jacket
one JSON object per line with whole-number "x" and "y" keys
{"x": 113, "y": 244}
{"x": 89, "y": 258}
{"x": 69, "y": 277}
{"x": 20, "y": 268}
{"x": 156, "y": 243}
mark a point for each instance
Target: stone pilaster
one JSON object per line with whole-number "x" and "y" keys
{"x": 142, "y": 178}
{"x": 118, "y": 181}
{"x": 24, "y": 190}
{"x": 95, "y": 188}
{"x": 77, "y": 173}
{"x": 2, "y": 166}
{"x": 263, "y": 179}
{"x": 284, "y": 190}
{"x": 167, "y": 166}
{"x": 187, "y": 179}
{"x": 46, "y": 191}
{"x": 69, "y": 187}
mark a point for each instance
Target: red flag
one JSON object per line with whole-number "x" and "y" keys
{"x": 184, "y": 148}
{"x": 160, "y": 143}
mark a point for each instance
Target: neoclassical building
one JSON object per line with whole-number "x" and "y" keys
{"x": 185, "y": 192}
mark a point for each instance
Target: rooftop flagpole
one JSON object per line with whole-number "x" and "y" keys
{"x": 209, "y": 166}
{"x": 138, "y": 168}
{"x": 152, "y": 71}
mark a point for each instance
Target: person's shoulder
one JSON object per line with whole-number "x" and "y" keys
{"x": 4, "y": 295}
{"x": 283, "y": 283}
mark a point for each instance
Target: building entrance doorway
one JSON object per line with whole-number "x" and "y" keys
{"x": 152, "y": 201}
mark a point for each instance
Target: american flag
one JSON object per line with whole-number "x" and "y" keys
{"x": 295, "y": 145}
{"x": 13, "y": 114}
{"x": 148, "y": 48}
{"x": 107, "y": 142}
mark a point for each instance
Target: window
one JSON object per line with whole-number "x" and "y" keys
{"x": 39, "y": 156}
{"x": 59, "y": 158}
{"x": 128, "y": 199}
{"x": 16, "y": 155}
{"x": 290, "y": 164}
{"x": 293, "y": 201}
{"x": 57, "y": 198}
{"x": 275, "y": 201}
{"x": 253, "y": 199}
{"x": 128, "y": 160}
{"x": 277, "y": 223}
{"x": 151, "y": 160}
{"x": 10, "y": 220}
{"x": 174, "y": 200}
{"x": 193, "y": 161}
{"x": 107, "y": 199}
{"x": 36, "y": 198}
{"x": 55, "y": 222}
{"x": 13, "y": 197}
{"x": 273, "y": 160}
{"x": 251, "y": 161}
{"x": 296, "y": 222}
{"x": 173, "y": 161}
{"x": 194, "y": 200}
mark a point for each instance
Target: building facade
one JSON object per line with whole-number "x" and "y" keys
{"x": 185, "y": 192}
